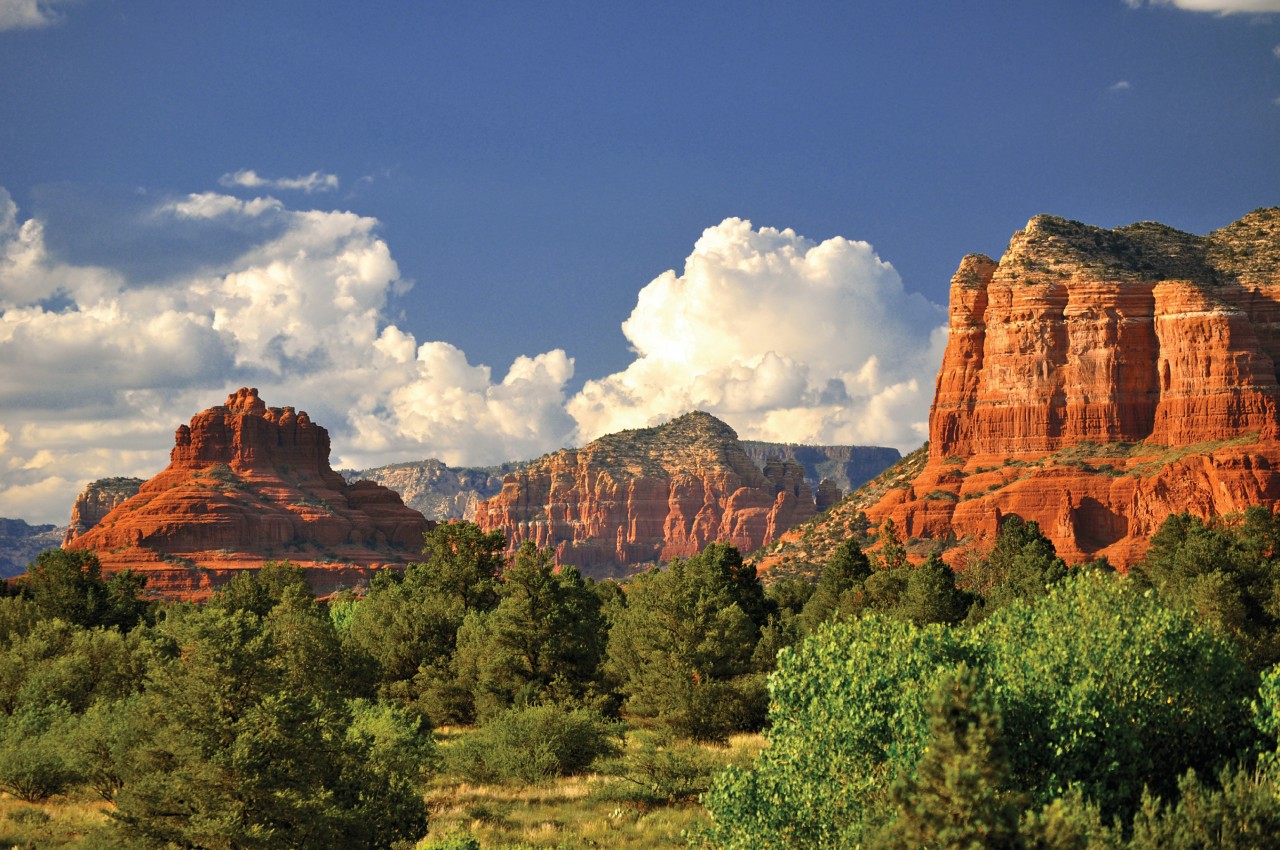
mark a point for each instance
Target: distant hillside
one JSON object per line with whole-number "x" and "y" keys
{"x": 438, "y": 491}
{"x": 21, "y": 542}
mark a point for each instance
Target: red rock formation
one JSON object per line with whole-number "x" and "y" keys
{"x": 1096, "y": 381}
{"x": 648, "y": 495}
{"x": 245, "y": 484}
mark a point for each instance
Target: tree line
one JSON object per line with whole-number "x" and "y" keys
{"x": 1017, "y": 703}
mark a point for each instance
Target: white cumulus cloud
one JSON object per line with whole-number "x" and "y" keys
{"x": 314, "y": 182}
{"x": 783, "y": 338}
{"x": 1221, "y": 7}
{"x": 27, "y": 14}
{"x": 98, "y": 371}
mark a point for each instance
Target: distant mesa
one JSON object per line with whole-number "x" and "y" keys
{"x": 247, "y": 483}
{"x": 649, "y": 495}
{"x": 443, "y": 492}
{"x": 97, "y": 500}
{"x": 440, "y": 492}
{"x": 844, "y": 468}
{"x": 1096, "y": 381}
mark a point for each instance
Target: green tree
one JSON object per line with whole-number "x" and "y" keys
{"x": 1102, "y": 692}
{"x": 890, "y": 554}
{"x": 59, "y": 663}
{"x": 462, "y": 562}
{"x": 848, "y": 707}
{"x": 1227, "y": 576}
{"x": 35, "y": 762}
{"x": 244, "y": 755}
{"x": 958, "y": 795}
{"x": 1021, "y": 566}
{"x": 67, "y": 584}
{"x": 845, "y": 572}
{"x": 261, "y": 590}
{"x": 1102, "y": 687}
{"x": 544, "y": 640}
{"x": 406, "y": 627}
{"x": 681, "y": 650}
{"x": 931, "y": 595}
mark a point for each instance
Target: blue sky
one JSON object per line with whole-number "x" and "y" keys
{"x": 357, "y": 206}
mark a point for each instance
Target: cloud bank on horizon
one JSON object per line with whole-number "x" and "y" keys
{"x": 784, "y": 338}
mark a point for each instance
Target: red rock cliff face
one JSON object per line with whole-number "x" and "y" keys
{"x": 1096, "y": 381}
{"x": 247, "y": 483}
{"x": 649, "y": 495}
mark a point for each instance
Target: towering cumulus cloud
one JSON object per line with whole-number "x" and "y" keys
{"x": 104, "y": 354}
{"x": 783, "y": 338}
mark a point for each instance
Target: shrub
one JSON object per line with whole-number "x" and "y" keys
{"x": 463, "y": 841}
{"x": 533, "y": 744}
{"x": 849, "y": 711}
{"x": 33, "y": 760}
{"x": 660, "y": 770}
{"x": 1101, "y": 686}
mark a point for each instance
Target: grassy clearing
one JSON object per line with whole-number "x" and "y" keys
{"x": 588, "y": 811}
{"x": 572, "y": 812}
{"x": 60, "y": 823}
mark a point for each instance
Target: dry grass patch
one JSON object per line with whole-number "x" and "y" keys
{"x": 60, "y": 823}
{"x": 588, "y": 811}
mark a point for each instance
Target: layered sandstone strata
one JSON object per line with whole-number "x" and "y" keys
{"x": 649, "y": 495}
{"x": 1097, "y": 380}
{"x": 247, "y": 483}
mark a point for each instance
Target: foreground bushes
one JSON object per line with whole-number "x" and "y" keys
{"x": 1102, "y": 691}
{"x": 534, "y": 744}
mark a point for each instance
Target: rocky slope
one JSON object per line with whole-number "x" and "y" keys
{"x": 1097, "y": 380}
{"x": 21, "y": 542}
{"x": 97, "y": 500}
{"x": 247, "y": 483}
{"x": 437, "y": 491}
{"x": 649, "y": 495}
{"x": 805, "y": 549}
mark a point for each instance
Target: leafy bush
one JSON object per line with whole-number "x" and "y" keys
{"x": 464, "y": 841}
{"x": 533, "y": 744}
{"x": 1100, "y": 689}
{"x": 849, "y": 713}
{"x": 34, "y": 764}
{"x": 1101, "y": 686}
{"x": 658, "y": 769}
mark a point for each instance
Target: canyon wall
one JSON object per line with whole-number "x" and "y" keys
{"x": 846, "y": 467}
{"x": 649, "y": 495}
{"x": 1097, "y": 380}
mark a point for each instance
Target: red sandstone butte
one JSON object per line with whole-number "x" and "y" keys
{"x": 246, "y": 484}
{"x": 649, "y": 495}
{"x": 1096, "y": 381}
